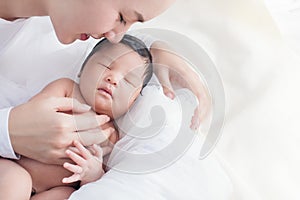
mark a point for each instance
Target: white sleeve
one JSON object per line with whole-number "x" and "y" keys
{"x": 6, "y": 149}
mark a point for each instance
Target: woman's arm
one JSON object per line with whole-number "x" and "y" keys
{"x": 172, "y": 70}
{"x": 167, "y": 66}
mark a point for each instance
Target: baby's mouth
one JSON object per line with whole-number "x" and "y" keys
{"x": 106, "y": 91}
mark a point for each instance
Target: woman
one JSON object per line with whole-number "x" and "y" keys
{"x": 36, "y": 129}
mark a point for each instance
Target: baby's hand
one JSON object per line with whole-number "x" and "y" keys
{"x": 88, "y": 165}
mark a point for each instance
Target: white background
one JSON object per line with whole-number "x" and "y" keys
{"x": 255, "y": 50}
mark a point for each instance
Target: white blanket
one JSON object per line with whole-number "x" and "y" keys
{"x": 151, "y": 163}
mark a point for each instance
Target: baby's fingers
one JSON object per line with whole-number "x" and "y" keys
{"x": 76, "y": 158}
{"x": 73, "y": 168}
{"x": 84, "y": 152}
{"x": 71, "y": 179}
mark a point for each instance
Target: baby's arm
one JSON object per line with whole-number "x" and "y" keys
{"x": 59, "y": 88}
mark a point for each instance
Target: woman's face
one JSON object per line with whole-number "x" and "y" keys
{"x": 79, "y": 19}
{"x": 112, "y": 79}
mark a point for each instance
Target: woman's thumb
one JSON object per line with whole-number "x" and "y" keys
{"x": 69, "y": 104}
{"x": 169, "y": 92}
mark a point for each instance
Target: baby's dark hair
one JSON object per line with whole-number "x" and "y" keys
{"x": 135, "y": 44}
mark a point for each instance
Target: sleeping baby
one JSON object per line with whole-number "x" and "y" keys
{"x": 111, "y": 79}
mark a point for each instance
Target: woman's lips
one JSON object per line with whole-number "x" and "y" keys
{"x": 84, "y": 36}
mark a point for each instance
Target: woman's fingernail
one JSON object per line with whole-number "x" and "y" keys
{"x": 103, "y": 118}
{"x": 86, "y": 107}
{"x": 107, "y": 118}
{"x": 170, "y": 95}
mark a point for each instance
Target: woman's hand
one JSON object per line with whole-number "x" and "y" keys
{"x": 42, "y": 130}
{"x": 88, "y": 164}
{"x": 173, "y": 71}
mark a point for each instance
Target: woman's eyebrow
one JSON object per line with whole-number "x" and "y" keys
{"x": 139, "y": 16}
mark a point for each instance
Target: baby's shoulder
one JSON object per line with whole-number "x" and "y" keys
{"x": 65, "y": 81}
{"x": 65, "y": 85}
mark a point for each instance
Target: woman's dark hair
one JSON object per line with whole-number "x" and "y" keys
{"x": 135, "y": 44}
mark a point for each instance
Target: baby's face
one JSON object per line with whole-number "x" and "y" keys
{"x": 112, "y": 79}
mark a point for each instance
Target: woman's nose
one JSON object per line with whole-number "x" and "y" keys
{"x": 115, "y": 35}
{"x": 96, "y": 36}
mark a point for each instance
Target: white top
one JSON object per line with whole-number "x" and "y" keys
{"x": 6, "y": 149}
{"x": 30, "y": 58}
{"x": 8, "y": 30}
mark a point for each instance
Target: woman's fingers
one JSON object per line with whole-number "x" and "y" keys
{"x": 65, "y": 104}
{"x": 169, "y": 92}
{"x": 95, "y": 136}
{"x": 50, "y": 135}
{"x": 163, "y": 75}
{"x": 195, "y": 123}
{"x": 80, "y": 121}
{"x": 86, "y": 121}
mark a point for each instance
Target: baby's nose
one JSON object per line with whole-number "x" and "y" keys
{"x": 112, "y": 80}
